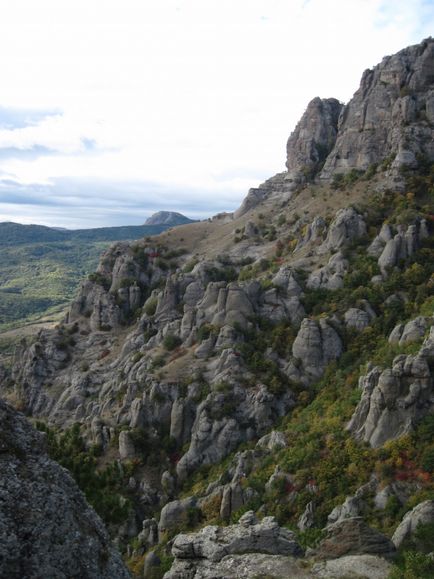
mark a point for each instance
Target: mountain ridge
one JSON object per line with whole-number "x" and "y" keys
{"x": 275, "y": 363}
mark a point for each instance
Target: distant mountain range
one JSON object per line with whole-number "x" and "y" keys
{"x": 16, "y": 233}
{"x": 41, "y": 267}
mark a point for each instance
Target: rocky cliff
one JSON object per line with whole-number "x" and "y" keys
{"x": 277, "y": 360}
{"x": 47, "y": 529}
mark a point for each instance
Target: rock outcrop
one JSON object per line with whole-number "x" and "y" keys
{"x": 352, "y": 536}
{"x": 422, "y": 514}
{"x": 47, "y": 529}
{"x": 396, "y": 399}
{"x": 347, "y": 226}
{"x": 317, "y": 343}
{"x": 313, "y": 139}
{"x": 353, "y": 566}
{"x": 205, "y": 551}
{"x": 389, "y": 117}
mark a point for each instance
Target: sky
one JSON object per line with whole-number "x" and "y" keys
{"x": 112, "y": 110}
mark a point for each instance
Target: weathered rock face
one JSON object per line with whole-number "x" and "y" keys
{"x": 175, "y": 514}
{"x": 389, "y": 116}
{"x": 317, "y": 343}
{"x": 278, "y": 186}
{"x": 347, "y": 226}
{"x": 354, "y": 566}
{"x": 313, "y": 138}
{"x": 399, "y": 247}
{"x": 422, "y": 514}
{"x": 352, "y": 536}
{"x": 46, "y": 527}
{"x": 331, "y": 275}
{"x": 395, "y": 400}
{"x": 211, "y": 545}
{"x": 412, "y": 331}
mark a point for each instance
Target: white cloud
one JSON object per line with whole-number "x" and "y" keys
{"x": 182, "y": 92}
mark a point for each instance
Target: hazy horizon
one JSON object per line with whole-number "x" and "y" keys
{"x": 109, "y": 114}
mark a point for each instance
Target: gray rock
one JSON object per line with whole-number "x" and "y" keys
{"x": 148, "y": 536}
{"x": 307, "y": 519}
{"x": 47, "y": 529}
{"x": 312, "y": 139}
{"x": 412, "y": 331}
{"x": 315, "y": 345}
{"x": 175, "y": 514}
{"x": 422, "y": 514}
{"x": 248, "y": 566}
{"x": 347, "y": 226}
{"x": 352, "y": 536}
{"x": 286, "y": 280}
{"x": 250, "y": 229}
{"x": 126, "y": 446}
{"x": 331, "y": 276}
{"x": 391, "y": 95}
{"x": 152, "y": 560}
{"x": 395, "y": 400}
{"x": 214, "y": 543}
{"x": 356, "y": 319}
{"x": 275, "y": 440}
{"x": 351, "y": 507}
{"x": 354, "y": 567}
{"x": 232, "y": 500}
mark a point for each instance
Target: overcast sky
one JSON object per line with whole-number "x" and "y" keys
{"x": 111, "y": 110}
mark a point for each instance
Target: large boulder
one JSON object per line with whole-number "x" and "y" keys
{"x": 175, "y": 515}
{"x": 212, "y": 544}
{"x": 422, "y": 514}
{"x": 316, "y": 344}
{"x": 347, "y": 226}
{"x": 352, "y": 536}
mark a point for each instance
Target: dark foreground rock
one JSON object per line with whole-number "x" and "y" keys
{"x": 47, "y": 529}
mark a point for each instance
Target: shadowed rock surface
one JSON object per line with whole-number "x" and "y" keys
{"x": 47, "y": 529}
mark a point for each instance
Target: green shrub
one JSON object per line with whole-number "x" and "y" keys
{"x": 171, "y": 342}
{"x": 150, "y": 306}
{"x": 413, "y": 565}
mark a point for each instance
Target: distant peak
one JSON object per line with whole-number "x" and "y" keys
{"x": 168, "y": 218}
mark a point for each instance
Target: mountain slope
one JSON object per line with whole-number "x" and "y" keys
{"x": 41, "y": 267}
{"x": 12, "y": 234}
{"x": 279, "y": 360}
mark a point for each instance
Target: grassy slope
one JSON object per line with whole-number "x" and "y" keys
{"x": 39, "y": 278}
{"x": 41, "y": 268}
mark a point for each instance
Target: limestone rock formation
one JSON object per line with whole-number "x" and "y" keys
{"x": 211, "y": 545}
{"x": 47, "y": 529}
{"x": 317, "y": 343}
{"x": 347, "y": 226}
{"x": 389, "y": 116}
{"x": 331, "y": 275}
{"x": 394, "y": 400}
{"x": 352, "y": 536}
{"x": 422, "y": 514}
{"x": 412, "y": 331}
{"x": 353, "y": 566}
{"x": 313, "y": 138}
